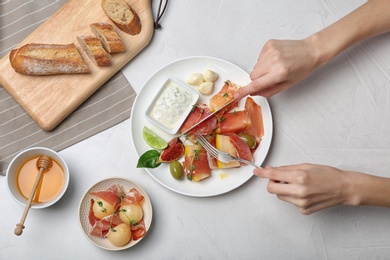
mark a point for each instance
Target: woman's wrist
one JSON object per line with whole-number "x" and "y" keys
{"x": 352, "y": 185}
{"x": 368, "y": 20}
{"x": 319, "y": 49}
{"x": 330, "y": 41}
{"x": 366, "y": 190}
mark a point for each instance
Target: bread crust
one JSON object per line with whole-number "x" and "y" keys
{"x": 110, "y": 40}
{"x": 122, "y": 15}
{"x": 47, "y": 59}
{"x": 94, "y": 49}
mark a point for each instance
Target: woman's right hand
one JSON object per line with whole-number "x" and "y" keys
{"x": 280, "y": 65}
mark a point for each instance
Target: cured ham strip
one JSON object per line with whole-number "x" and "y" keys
{"x": 206, "y": 127}
{"x": 100, "y": 229}
{"x": 198, "y": 113}
{"x": 132, "y": 197}
{"x": 257, "y": 128}
{"x": 111, "y": 195}
{"x": 234, "y": 122}
{"x": 213, "y": 163}
{"x": 196, "y": 166}
{"x": 91, "y": 217}
{"x": 102, "y": 226}
{"x": 242, "y": 148}
{"x": 138, "y": 231}
{"x": 192, "y": 118}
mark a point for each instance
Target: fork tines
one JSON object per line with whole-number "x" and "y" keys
{"x": 209, "y": 148}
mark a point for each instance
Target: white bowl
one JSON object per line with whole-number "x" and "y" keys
{"x": 17, "y": 162}
{"x": 185, "y": 107}
{"x": 85, "y": 206}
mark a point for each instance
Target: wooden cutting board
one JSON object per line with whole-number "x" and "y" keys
{"x": 50, "y": 99}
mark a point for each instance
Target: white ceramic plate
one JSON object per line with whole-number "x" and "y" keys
{"x": 85, "y": 206}
{"x": 181, "y": 69}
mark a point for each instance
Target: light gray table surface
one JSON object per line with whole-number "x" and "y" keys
{"x": 338, "y": 116}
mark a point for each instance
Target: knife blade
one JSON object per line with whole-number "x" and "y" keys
{"x": 207, "y": 117}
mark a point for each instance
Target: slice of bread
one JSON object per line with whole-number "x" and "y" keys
{"x": 47, "y": 59}
{"x": 94, "y": 49}
{"x": 108, "y": 37}
{"x": 122, "y": 15}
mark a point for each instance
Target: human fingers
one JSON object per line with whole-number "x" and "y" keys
{"x": 261, "y": 68}
{"x": 296, "y": 167}
{"x": 278, "y": 176}
{"x": 244, "y": 91}
{"x": 306, "y": 206}
{"x": 294, "y": 174}
{"x": 300, "y": 204}
{"x": 300, "y": 166}
{"x": 255, "y": 87}
{"x": 272, "y": 90}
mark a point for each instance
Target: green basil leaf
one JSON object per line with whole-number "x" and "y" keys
{"x": 149, "y": 159}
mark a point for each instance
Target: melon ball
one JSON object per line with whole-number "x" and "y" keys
{"x": 120, "y": 235}
{"x": 102, "y": 208}
{"x": 131, "y": 213}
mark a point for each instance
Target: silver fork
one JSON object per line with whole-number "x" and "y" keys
{"x": 219, "y": 155}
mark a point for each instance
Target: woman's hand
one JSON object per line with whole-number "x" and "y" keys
{"x": 283, "y": 63}
{"x": 310, "y": 187}
{"x": 280, "y": 65}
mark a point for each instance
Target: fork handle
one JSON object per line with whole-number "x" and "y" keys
{"x": 248, "y": 162}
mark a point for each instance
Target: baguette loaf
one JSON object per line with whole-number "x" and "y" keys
{"x": 47, "y": 59}
{"x": 94, "y": 49}
{"x": 108, "y": 37}
{"x": 122, "y": 15}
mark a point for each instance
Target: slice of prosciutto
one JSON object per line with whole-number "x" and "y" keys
{"x": 111, "y": 195}
{"x": 256, "y": 116}
{"x": 198, "y": 113}
{"x": 213, "y": 162}
{"x": 233, "y": 122}
{"x": 132, "y": 197}
{"x": 138, "y": 231}
{"x": 91, "y": 216}
{"x": 242, "y": 148}
{"x": 102, "y": 226}
{"x": 196, "y": 165}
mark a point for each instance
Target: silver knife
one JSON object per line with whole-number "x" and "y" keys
{"x": 207, "y": 117}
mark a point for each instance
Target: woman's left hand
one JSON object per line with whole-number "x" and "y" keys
{"x": 309, "y": 187}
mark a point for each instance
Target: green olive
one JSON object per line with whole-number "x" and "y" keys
{"x": 176, "y": 169}
{"x": 250, "y": 140}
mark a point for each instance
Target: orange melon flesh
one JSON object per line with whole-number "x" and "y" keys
{"x": 223, "y": 143}
{"x": 188, "y": 149}
{"x": 224, "y": 96}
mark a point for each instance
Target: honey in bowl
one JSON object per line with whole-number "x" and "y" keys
{"x": 49, "y": 187}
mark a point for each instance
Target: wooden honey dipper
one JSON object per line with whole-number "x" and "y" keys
{"x": 44, "y": 162}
